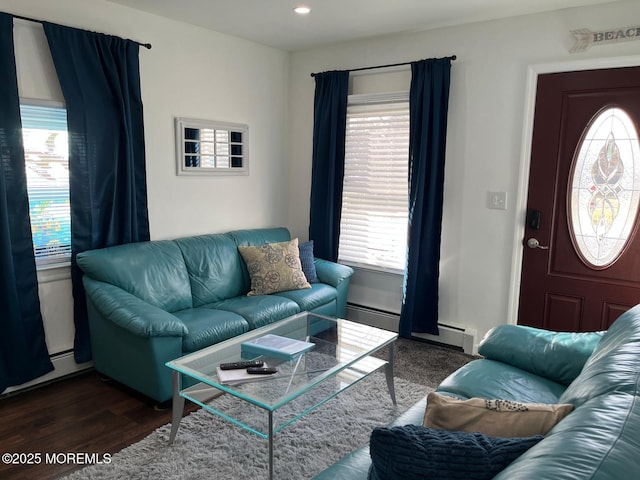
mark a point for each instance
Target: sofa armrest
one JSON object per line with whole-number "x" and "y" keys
{"x": 332, "y": 273}
{"x": 131, "y": 313}
{"x": 558, "y": 356}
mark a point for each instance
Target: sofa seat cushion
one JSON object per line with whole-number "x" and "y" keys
{"x": 490, "y": 379}
{"x": 207, "y": 326}
{"x": 309, "y": 299}
{"x": 259, "y": 310}
{"x": 416, "y": 452}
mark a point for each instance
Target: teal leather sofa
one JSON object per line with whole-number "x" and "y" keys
{"x": 152, "y": 302}
{"x": 599, "y": 373}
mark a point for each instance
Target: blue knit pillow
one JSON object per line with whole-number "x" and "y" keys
{"x": 306, "y": 259}
{"x": 415, "y": 452}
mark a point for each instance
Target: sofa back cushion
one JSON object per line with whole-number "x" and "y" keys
{"x": 614, "y": 365}
{"x": 152, "y": 271}
{"x": 214, "y": 266}
{"x": 257, "y": 236}
{"x": 274, "y": 267}
{"x": 260, "y": 236}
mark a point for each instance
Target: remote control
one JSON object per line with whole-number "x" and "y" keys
{"x": 241, "y": 365}
{"x": 262, "y": 371}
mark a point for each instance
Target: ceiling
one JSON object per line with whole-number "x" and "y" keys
{"x": 273, "y": 22}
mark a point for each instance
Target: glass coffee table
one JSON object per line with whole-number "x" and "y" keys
{"x": 340, "y": 358}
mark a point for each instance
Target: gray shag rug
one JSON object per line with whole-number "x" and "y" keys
{"x": 209, "y": 447}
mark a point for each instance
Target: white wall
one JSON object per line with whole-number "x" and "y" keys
{"x": 189, "y": 72}
{"x": 485, "y": 132}
{"x": 197, "y": 73}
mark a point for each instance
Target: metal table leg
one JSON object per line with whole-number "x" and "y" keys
{"x": 389, "y": 373}
{"x": 178, "y": 406}
{"x": 271, "y": 445}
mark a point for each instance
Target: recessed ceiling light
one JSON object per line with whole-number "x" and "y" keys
{"x": 301, "y": 10}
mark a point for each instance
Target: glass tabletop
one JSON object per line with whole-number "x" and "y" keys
{"x": 340, "y": 357}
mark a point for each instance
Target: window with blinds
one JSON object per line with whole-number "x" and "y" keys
{"x": 373, "y": 229}
{"x": 46, "y": 148}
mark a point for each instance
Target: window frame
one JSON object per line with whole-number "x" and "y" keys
{"x": 182, "y": 124}
{"x": 621, "y": 189}
{"x": 372, "y": 99}
{"x": 52, "y": 261}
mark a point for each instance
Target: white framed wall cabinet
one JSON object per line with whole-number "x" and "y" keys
{"x": 208, "y": 147}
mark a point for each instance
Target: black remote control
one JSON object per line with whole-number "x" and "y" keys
{"x": 241, "y": 365}
{"x": 262, "y": 371}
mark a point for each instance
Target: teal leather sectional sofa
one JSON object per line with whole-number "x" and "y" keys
{"x": 152, "y": 302}
{"x": 599, "y": 373}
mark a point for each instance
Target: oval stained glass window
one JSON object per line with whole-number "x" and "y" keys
{"x": 604, "y": 192}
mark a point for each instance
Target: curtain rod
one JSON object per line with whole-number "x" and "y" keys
{"x": 452, "y": 57}
{"x": 146, "y": 45}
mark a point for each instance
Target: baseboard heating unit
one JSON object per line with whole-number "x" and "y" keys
{"x": 450, "y": 335}
{"x": 63, "y": 364}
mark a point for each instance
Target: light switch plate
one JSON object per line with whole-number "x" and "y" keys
{"x": 497, "y": 200}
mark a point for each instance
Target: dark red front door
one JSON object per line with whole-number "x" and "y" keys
{"x": 581, "y": 282}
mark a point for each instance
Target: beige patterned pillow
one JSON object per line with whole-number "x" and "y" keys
{"x": 496, "y": 418}
{"x": 274, "y": 267}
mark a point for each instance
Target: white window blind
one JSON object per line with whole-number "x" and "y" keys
{"x": 45, "y": 138}
{"x": 373, "y": 229}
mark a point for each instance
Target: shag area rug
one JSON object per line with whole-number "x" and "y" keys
{"x": 209, "y": 447}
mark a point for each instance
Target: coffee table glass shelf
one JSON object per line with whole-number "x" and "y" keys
{"x": 340, "y": 359}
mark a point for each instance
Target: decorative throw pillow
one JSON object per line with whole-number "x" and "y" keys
{"x": 499, "y": 418}
{"x": 274, "y": 267}
{"x": 306, "y": 259}
{"x": 415, "y": 452}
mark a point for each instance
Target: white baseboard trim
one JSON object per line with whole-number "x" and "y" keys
{"x": 63, "y": 364}
{"x": 454, "y": 336}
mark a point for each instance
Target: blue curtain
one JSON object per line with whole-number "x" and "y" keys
{"x": 327, "y": 174}
{"x": 100, "y": 79}
{"x": 23, "y": 351}
{"x": 428, "y": 106}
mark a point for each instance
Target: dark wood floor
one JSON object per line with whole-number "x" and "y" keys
{"x": 81, "y": 414}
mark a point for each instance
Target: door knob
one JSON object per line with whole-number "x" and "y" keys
{"x": 534, "y": 243}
